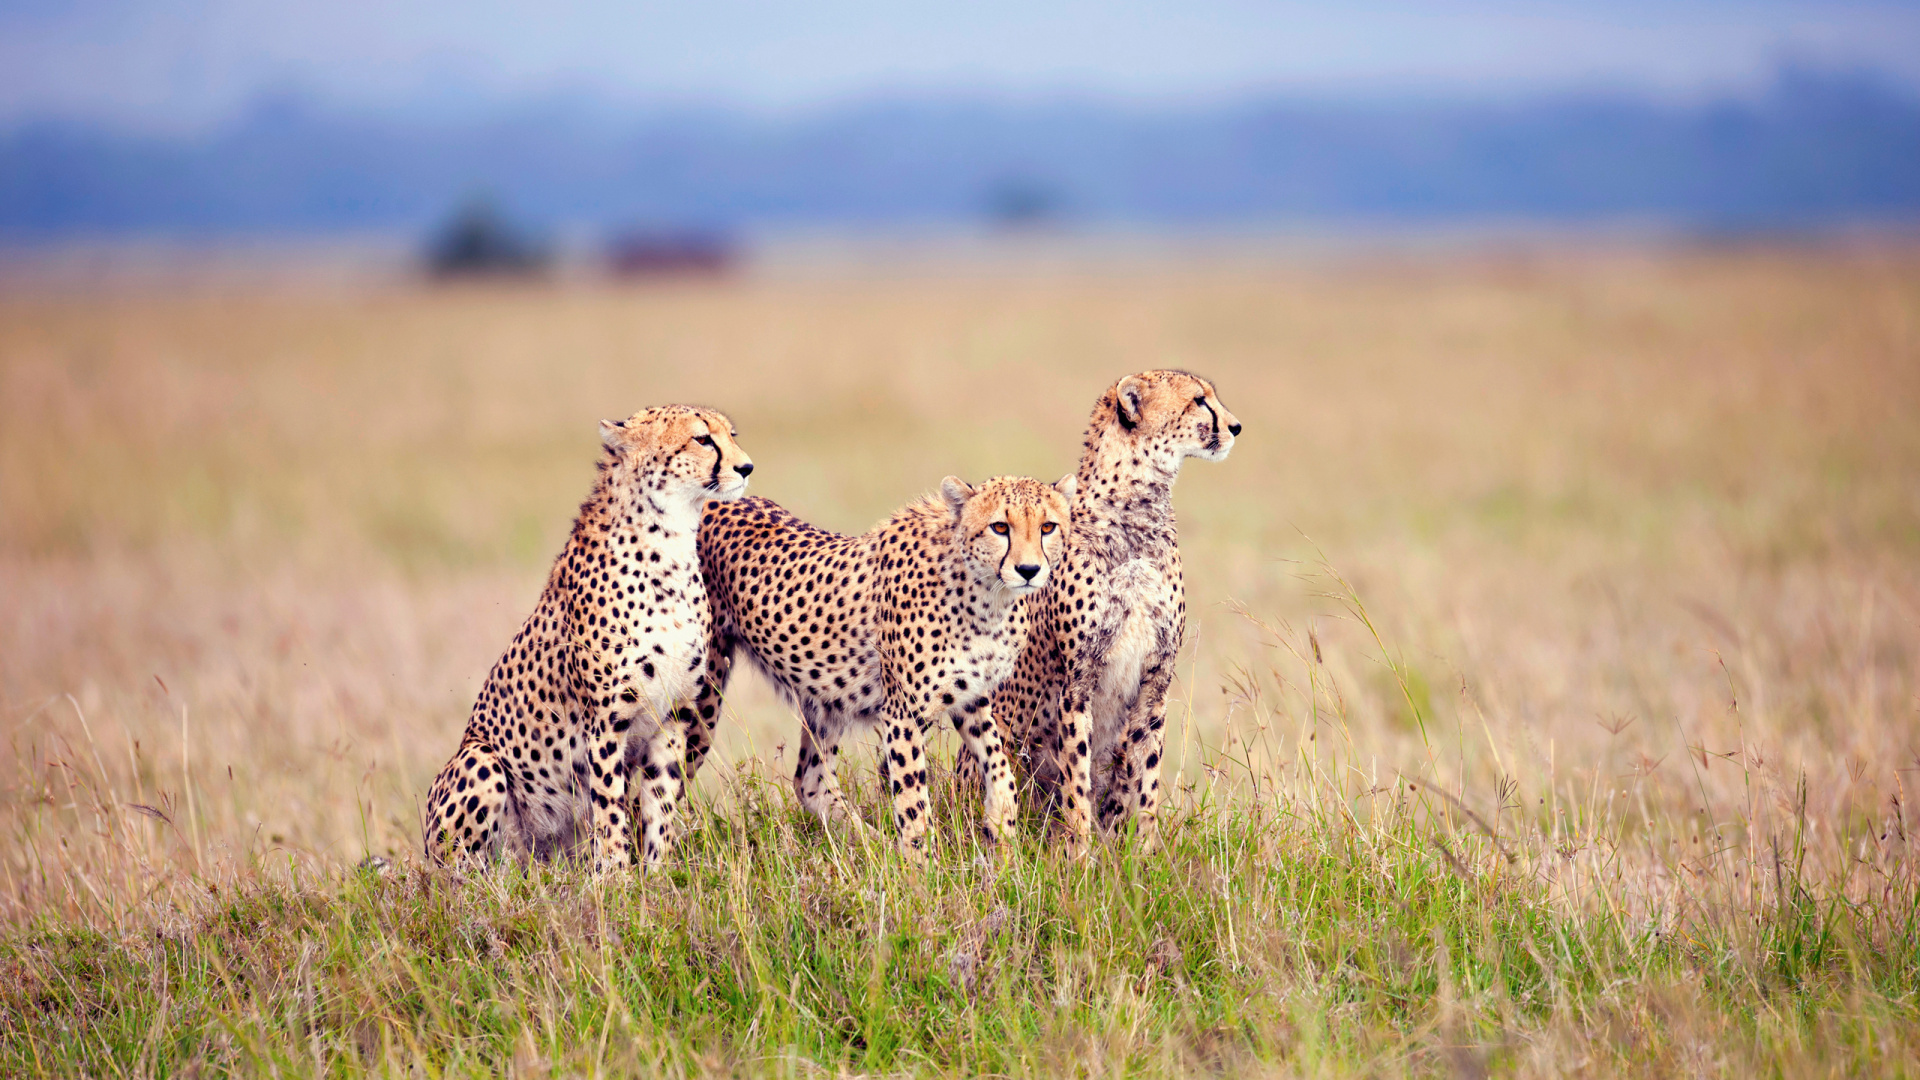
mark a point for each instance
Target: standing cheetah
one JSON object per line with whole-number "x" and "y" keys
{"x": 1086, "y": 703}
{"x": 918, "y": 619}
{"x": 582, "y": 697}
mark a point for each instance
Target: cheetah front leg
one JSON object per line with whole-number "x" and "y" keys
{"x": 1073, "y": 755}
{"x": 988, "y": 756}
{"x": 693, "y": 721}
{"x": 1134, "y": 788}
{"x": 704, "y": 713}
{"x": 662, "y": 770}
{"x": 607, "y": 767}
{"x": 904, "y": 770}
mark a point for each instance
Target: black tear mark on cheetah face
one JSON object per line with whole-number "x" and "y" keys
{"x": 1012, "y": 529}
{"x": 686, "y": 454}
{"x": 1168, "y": 416}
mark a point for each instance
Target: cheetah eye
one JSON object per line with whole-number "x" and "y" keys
{"x": 1199, "y": 399}
{"x": 999, "y": 528}
{"x": 704, "y": 440}
{"x": 1048, "y": 527}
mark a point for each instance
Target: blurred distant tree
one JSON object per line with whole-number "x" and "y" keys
{"x": 479, "y": 240}
{"x": 1022, "y": 202}
{"x": 683, "y": 253}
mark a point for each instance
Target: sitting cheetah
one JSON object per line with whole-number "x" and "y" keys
{"x": 581, "y": 697}
{"x": 1086, "y": 703}
{"x": 915, "y": 620}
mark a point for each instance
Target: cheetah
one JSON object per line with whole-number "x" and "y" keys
{"x": 582, "y": 698}
{"x": 1086, "y": 703}
{"x": 912, "y": 621}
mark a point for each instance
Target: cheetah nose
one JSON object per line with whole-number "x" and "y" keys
{"x": 743, "y": 469}
{"x": 1027, "y": 570}
{"x": 1234, "y": 427}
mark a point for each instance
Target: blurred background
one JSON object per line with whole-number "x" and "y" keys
{"x": 1579, "y": 342}
{"x": 636, "y": 138}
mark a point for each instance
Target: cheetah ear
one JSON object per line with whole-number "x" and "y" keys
{"x": 956, "y": 491}
{"x": 1068, "y": 485}
{"x": 1127, "y": 401}
{"x": 610, "y": 431}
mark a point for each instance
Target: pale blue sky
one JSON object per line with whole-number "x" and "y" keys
{"x": 188, "y": 63}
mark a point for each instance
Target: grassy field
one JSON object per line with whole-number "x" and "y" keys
{"x": 1551, "y": 689}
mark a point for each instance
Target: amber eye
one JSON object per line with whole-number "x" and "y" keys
{"x": 704, "y": 440}
{"x": 1048, "y": 527}
{"x": 1200, "y": 399}
{"x": 999, "y": 528}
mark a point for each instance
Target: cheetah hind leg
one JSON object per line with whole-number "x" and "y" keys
{"x": 1037, "y": 778}
{"x": 1073, "y": 801}
{"x": 466, "y": 807}
{"x": 966, "y": 771}
{"x": 991, "y": 774}
{"x": 816, "y": 783}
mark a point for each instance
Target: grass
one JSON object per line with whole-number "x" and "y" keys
{"x": 1553, "y": 679}
{"x": 1284, "y": 929}
{"x": 1285, "y": 926}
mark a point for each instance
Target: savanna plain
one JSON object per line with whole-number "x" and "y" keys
{"x": 1550, "y": 692}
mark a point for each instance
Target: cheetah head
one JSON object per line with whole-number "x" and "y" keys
{"x": 1172, "y": 415}
{"x": 684, "y": 451}
{"x": 1011, "y": 528}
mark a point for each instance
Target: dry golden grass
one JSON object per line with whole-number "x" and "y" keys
{"x": 1637, "y": 534}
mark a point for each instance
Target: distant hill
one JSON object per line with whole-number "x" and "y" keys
{"x": 1815, "y": 148}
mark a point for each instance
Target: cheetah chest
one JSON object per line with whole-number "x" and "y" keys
{"x": 679, "y": 657}
{"x": 1141, "y": 606}
{"x": 986, "y": 661}
{"x": 658, "y": 630}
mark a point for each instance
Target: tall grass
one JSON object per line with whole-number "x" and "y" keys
{"x": 1301, "y": 915}
{"x": 1575, "y": 739}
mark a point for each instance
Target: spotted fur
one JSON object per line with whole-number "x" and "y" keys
{"x": 583, "y": 697}
{"x": 910, "y": 623}
{"x": 1086, "y": 704}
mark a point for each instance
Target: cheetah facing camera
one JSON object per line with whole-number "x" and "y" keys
{"x": 918, "y": 619}
{"x": 582, "y": 699}
{"x": 1086, "y": 704}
